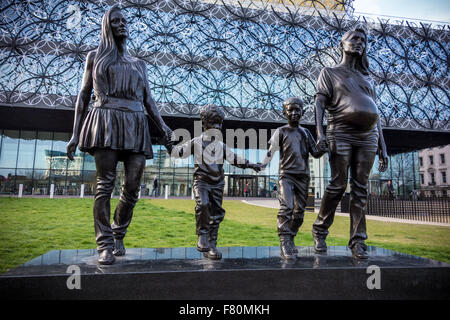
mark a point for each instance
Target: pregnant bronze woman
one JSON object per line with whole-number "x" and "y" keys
{"x": 114, "y": 129}
{"x": 353, "y": 136}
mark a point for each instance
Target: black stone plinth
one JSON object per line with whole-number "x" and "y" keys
{"x": 243, "y": 273}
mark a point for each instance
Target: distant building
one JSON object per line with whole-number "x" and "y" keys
{"x": 434, "y": 166}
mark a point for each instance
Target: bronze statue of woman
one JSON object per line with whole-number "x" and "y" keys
{"x": 114, "y": 129}
{"x": 353, "y": 137}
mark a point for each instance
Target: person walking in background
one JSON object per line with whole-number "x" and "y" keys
{"x": 390, "y": 188}
{"x": 247, "y": 190}
{"x": 275, "y": 191}
{"x": 155, "y": 186}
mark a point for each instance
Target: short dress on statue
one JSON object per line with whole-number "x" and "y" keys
{"x": 120, "y": 122}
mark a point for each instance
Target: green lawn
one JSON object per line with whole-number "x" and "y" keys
{"x": 32, "y": 227}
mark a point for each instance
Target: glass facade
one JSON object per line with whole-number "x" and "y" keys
{"x": 37, "y": 159}
{"x": 246, "y": 58}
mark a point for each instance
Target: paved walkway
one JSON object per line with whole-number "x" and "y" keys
{"x": 274, "y": 204}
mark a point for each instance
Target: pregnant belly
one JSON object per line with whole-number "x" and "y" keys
{"x": 361, "y": 114}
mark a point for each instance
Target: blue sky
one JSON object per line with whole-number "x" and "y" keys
{"x": 437, "y": 10}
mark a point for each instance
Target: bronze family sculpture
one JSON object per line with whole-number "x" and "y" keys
{"x": 353, "y": 137}
{"x": 114, "y": 129}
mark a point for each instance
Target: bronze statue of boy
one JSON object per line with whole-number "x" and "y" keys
{"x": 295, "y": 144}
{"x": 209, "y": 179}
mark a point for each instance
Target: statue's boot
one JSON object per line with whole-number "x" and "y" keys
{"x": 119, "y": 249}
{"x": 359, "y": 251}
{"x": 202, "y": 224}
{"x": 213, "y": 253}
{"x": 287, "y": 250}
{"x": 294, "y": 247}
{"x": 203, "y": 243}
{"x": 319, "y": 243}
{"x": 295, "y": 225}
{"x": 106, "y": 257}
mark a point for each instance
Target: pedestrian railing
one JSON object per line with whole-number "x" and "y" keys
{"x": 423, "y": 209}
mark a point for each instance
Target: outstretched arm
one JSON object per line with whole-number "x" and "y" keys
{"x": 382, "y": 150}
{"x": 81, "y": 106}
{"x": 181, "y": 150}
{"x": 274, "y": 146}
{"x": 239, "y": 162}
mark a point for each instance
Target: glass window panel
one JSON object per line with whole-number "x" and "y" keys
{"x": 274, "y": 164}
{"x": 41, "y": 182}
{"x": 262, "y": 189}
{"x": 270, "y": 193}
{"x": 59, "y": 157}
{"x": 8, "y": 152}
{"x": 151, "y": 169}
{"x": 166, "y": 179}
{"x": 260, "y": 156}
{"x": 227, "y": 168}
{"x": 43, "y": 150}
{"x": 182, "y": 166}
{"x": 190, "y": 180}
{"x": 181, "y": 185}
{"x": 191, "y": 161}
{"x": 151, "y": 162}
{"x": 7, "y": 180}
{"x": 89, "y": 162}
{"x": 162, "y": 159}
{"x": 166, "y": 171}
{"x": 252, "y": 155}
{"x": 89, "y": 180}
{"x": 25, "y": 177}
{"x": 58, "y": 178}
{"x": 233, "y": 169}
{"x": 73, "y": 184}
{"x": 152, "y": 165}
{"x": 27, "y": 144}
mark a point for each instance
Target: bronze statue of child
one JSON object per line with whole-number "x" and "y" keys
{"x": 295, "y": 144}
{"x": 209, "y": 179}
